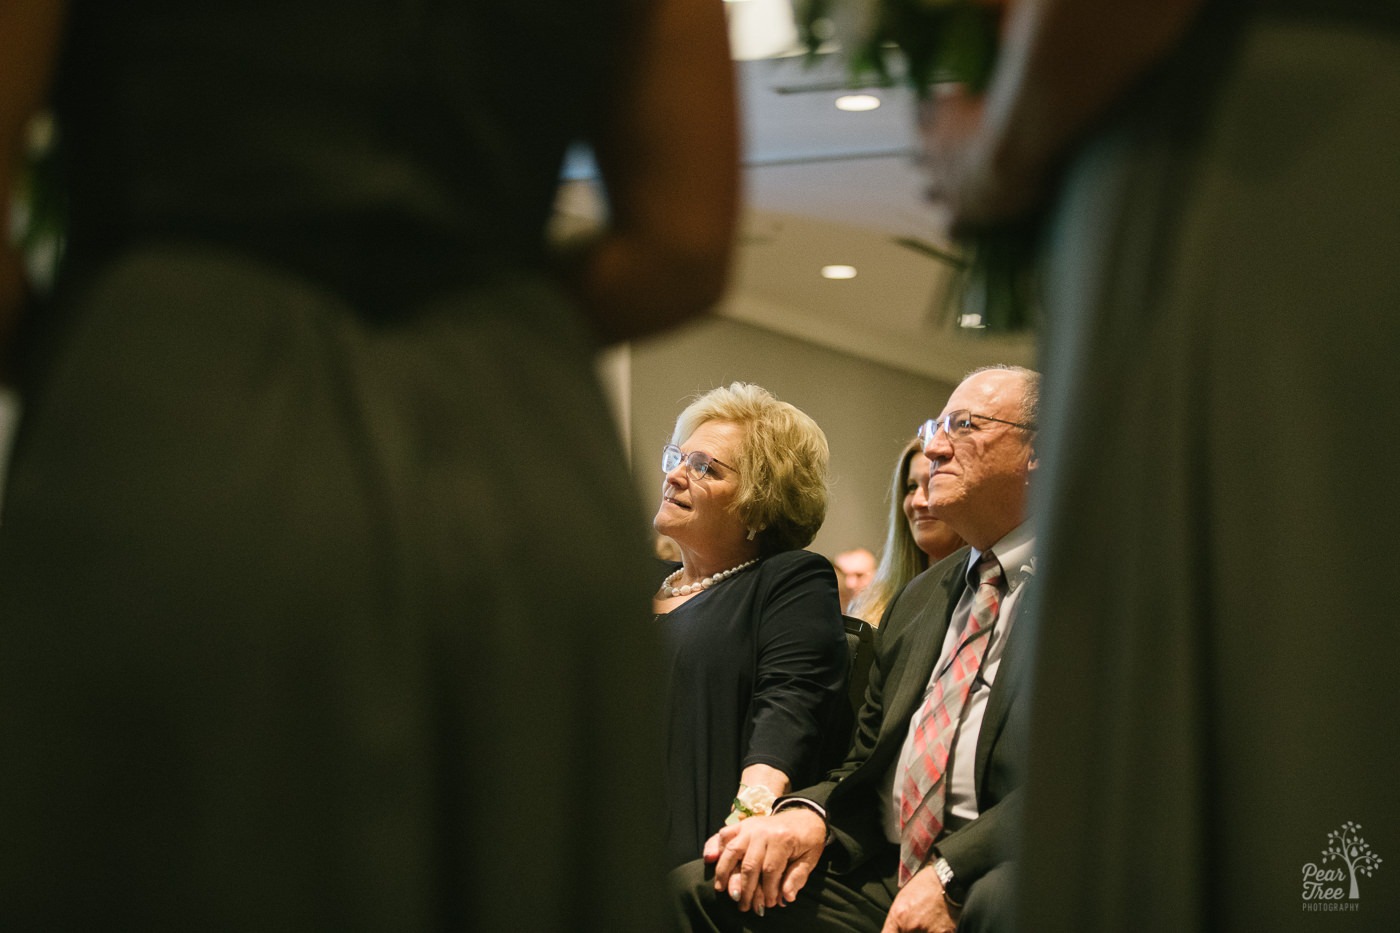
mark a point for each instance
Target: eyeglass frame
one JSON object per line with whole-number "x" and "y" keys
{"x": 929, "y": 429}
{"x": 689, "y": 460}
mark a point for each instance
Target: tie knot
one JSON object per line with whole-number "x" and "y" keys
{"x": 988, "y": 570}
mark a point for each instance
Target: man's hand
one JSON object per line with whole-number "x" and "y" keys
{"x": 764, "y": 861}
{"x": 919, "y": 907}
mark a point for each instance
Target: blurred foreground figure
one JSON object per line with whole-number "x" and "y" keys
{"x": 294, "y": 628}
{"x": 1214, "y": 687}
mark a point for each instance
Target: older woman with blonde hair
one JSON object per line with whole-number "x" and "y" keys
{"x": 914, "y": 539}
{"x": 756, "y": 647}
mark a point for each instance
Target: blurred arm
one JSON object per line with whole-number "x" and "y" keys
{"x": 28, "y": 39}
{"x": 668, "y": 152}
{"x": 1063, "y": 64}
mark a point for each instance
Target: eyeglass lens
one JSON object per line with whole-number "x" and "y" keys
{"x": 697, "y": 461}
{"x": 954, "y": 424}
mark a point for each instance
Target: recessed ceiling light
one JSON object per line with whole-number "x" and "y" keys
{"x": 857, "y": 102}
{"x": 838, "y": 272}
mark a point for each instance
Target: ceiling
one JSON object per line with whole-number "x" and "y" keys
{"x": 825, "y": 186}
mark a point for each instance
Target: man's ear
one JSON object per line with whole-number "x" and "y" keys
{"x": 1032, "y": 462}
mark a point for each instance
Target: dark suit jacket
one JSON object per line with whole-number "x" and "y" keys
{"x": 908, "y": 644}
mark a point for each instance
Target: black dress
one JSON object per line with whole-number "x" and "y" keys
{"x": 757, "y": 668}
{"x": 1217, "y": 496}
{"x": 296, "y": 631}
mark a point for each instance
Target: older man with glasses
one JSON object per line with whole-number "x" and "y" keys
{"x": 913, "y": 831}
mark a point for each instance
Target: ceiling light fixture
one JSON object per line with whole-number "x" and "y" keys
{"x": 855, "y": 103}
{"x": 838, "y": 272}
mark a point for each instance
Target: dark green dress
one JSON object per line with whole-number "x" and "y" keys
{"x": 1218, "y": 647}
{"x": 322, "y": 586}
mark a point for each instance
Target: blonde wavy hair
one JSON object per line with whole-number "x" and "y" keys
{"x": 783, "y": 462}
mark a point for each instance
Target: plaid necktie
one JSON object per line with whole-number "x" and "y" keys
{"x": 924, "y": 789}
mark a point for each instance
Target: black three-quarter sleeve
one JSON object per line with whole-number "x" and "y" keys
{"x": 800, "y": 666}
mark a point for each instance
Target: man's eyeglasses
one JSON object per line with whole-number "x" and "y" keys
{"x": 697, "y": 461}
{"x": 961, "y": 423}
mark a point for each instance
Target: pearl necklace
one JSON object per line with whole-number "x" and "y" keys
{"x": 667, "y": 590}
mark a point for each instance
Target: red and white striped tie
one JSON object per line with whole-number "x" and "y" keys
{"x": 925, "y": 783}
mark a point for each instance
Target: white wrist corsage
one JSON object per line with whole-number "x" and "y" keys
{"x": 752, "y": 800}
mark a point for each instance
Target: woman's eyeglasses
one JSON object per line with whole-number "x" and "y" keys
{"x": 697, "y": 461}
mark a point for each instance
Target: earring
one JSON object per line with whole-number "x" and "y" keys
{"x": 752, "y": 533}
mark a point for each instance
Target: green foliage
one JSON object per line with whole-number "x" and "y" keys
{"x": 920, "y": 42}
{"x": 40, "y": 214}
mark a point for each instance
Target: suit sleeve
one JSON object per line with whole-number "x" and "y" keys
{"x": 984, "y": 843}
{"x": 857, "y": 831}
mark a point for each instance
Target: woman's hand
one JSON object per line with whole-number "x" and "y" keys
{"x": 968, "y": 179}
{"x": 768, "y": 777}
{"x": 1061, "y": 67}
{"x": 759, "y": 786}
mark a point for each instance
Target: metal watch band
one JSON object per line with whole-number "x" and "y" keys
{"x": 952, "y": 891}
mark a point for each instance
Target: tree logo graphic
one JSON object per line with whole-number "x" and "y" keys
{"x": 1348, "y": 857}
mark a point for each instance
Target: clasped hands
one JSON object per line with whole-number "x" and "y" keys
{"x": 764, "y": 861}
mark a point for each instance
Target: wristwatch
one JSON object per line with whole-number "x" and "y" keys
{"x": 953, "y": 892}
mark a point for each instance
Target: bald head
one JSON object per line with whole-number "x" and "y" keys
{"x": 981, "y": 454}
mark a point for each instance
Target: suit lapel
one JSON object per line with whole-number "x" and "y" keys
{"x": 1010, "y": 680}
{"x": 921, "y": 649}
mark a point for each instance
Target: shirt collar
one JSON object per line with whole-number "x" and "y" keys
{"x": 1016, "y": 552}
